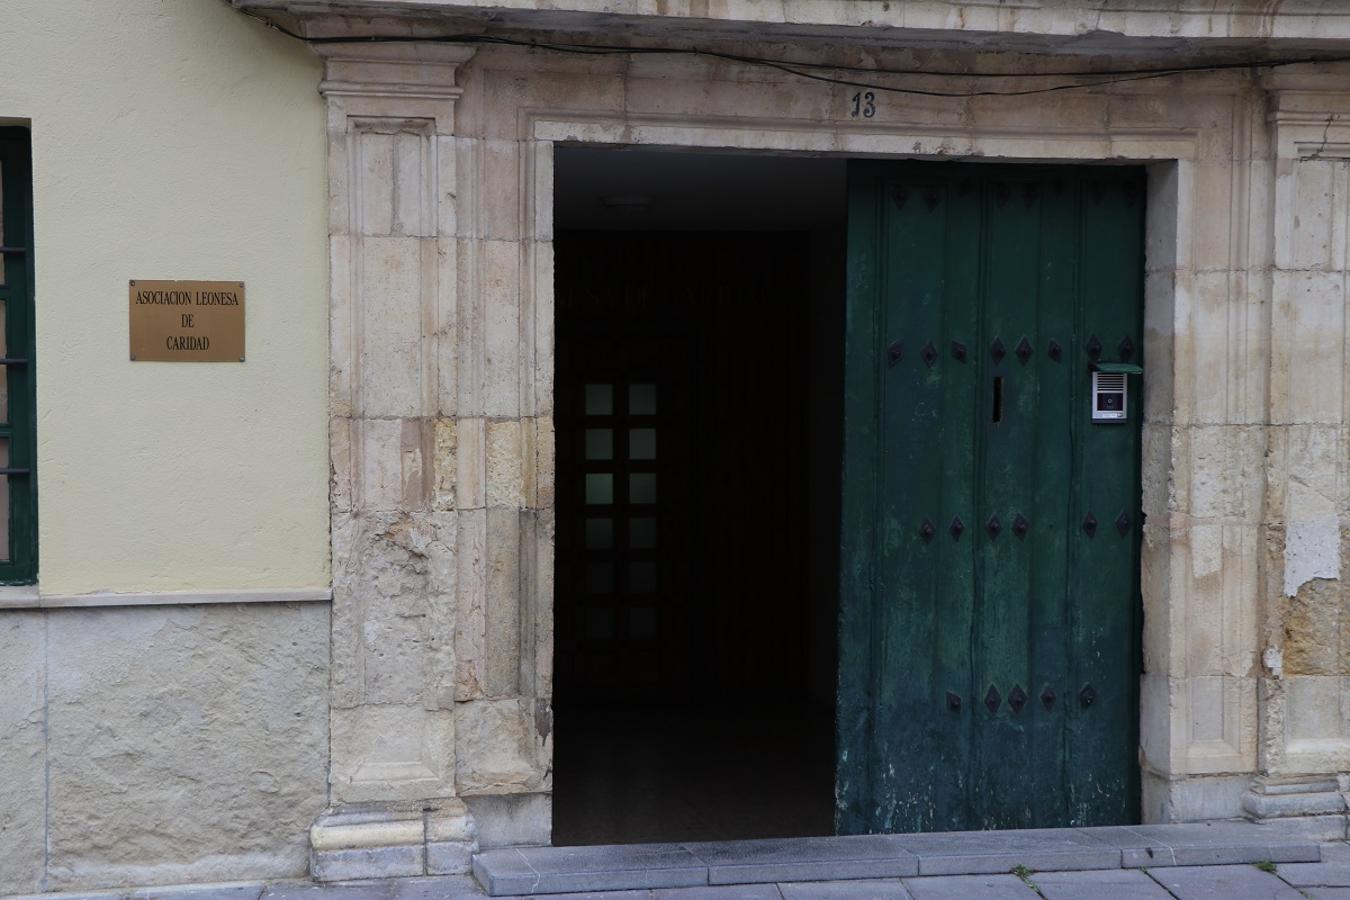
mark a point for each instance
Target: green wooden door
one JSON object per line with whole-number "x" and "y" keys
{"x": 989, "y": 608}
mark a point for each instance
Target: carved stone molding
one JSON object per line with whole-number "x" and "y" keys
{"x": 396, "y": 537}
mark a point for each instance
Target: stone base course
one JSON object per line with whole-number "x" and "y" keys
{"x": 370, "y": 841}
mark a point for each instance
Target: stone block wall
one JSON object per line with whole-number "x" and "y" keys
{"x": 160, "y": 745}
{"x": 443, "y": 430}
{"x": 1306, "y": 546}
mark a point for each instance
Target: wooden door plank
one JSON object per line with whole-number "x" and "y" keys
{"x": 1102, "y": 734}
{"x": 1051, "y": 484}
{"x": 855, "y": 706}
{"x": 1004, "y": 770}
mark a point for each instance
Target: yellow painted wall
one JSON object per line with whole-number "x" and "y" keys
{"x": 174, "y": 139}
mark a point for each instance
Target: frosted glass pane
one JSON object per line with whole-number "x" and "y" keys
{"x": 599, "y": 399}
{"x": 642, "y": 399}
{"x": 4, "y": 502}
{"x": 641, "y": 577}
{"x": 2, "y": 220}
{"x": 642, "y": 533}
{"x": 599, "y": 443}
{"x": 599, "y": 578}
{"x": 599, "y": 488}
{"x": 642, "y": 487}
{"x": 599, "y": 534}
{"x": 599, "y": 624}
{"x": 642, "y": 622}
{"x": 4, "y": 376}
{"x": 642, "y": 443}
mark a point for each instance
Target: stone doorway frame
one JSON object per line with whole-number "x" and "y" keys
{"x": 441, "y": 175}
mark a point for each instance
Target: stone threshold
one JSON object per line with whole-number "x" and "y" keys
{"x": 532, "y": 871}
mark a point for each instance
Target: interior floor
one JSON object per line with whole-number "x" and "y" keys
{"x": 693, "y": 774}
{"x": 698, "y": 391}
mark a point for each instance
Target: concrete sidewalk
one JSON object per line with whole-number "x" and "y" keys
{"x": 1326, "y": 880}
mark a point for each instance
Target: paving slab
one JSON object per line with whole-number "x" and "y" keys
{"x": 239, "y": 890}
{"x": 564, "y": 870}
{"x": 720, "y": 892}
{"x": 969, "y": 887}
{"x": 360, "y": 890}
{"x": 1107, "y": 884}
{"x": 846, "y": 890}
{"x": 805, "y": 859}
{"x": 441, "y": 887}
{"x": 1335, "y": 893}
{"x": 1321, "y": 874}
{"x": 991, "y": 852}
{"x": 1336, "y": 851}
{"x": 1205, "y": 844}
{"x": 1223, "y": 883}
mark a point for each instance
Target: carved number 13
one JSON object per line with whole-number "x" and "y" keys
{"x": 864, "y": 104}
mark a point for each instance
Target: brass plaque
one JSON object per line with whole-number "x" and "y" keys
{"x": 187, "y": 321}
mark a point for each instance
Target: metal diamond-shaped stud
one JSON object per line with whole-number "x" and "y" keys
{"x": 1055, "y": 351}
{"x": 900, "y": 196}
{"x": 1048, "y": 698}
{"x": 956, "y": 528}
{"x": 931, "y": 198}
{"x": 993, "y": 526}
{"x": 958, "y": 351}
{"x": 953, "y": 700}
{"x": 895, "y": 352}
{"x": 1126, "y": 347}
{"x": 1088, "y": 695}
{"x": 997, "y": 350}
{"x": 929, "y": 354}
{"x": 992, "y": 699}
{"x": 1090, "y": 525}
{"x": 1094, "y": 346}
{"x": 1122, "y": 523}
{"x": 1017, "y": 698}
{"x": 1023, "y": 350}
{"x": 927, "y": 529}
{"x": 1020, "y": 526}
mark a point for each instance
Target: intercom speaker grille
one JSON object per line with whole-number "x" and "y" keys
{"x": 1110, "y": 381}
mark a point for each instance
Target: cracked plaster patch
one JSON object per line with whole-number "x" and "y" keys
{"x": 1311, "y": 550}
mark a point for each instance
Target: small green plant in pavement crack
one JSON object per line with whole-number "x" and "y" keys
{"x": 1024, "y": 873}
{"x": 1265, "y": 865}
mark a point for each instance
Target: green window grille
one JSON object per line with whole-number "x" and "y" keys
{"x": 18, "y": 482}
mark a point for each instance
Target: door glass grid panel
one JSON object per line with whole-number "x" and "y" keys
{"x": 617, "y": 442}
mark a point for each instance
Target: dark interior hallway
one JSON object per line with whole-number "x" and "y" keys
{"x": 697, "y": 409}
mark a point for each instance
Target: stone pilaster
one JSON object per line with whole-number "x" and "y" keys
{"x": 1305, "y": 636}
{"x": 398, "y": 563}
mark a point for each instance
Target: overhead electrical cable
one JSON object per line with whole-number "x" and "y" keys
{"x": 813, "y": 70}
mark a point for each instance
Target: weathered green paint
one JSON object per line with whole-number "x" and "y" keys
{"x": 969, "y": 254}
